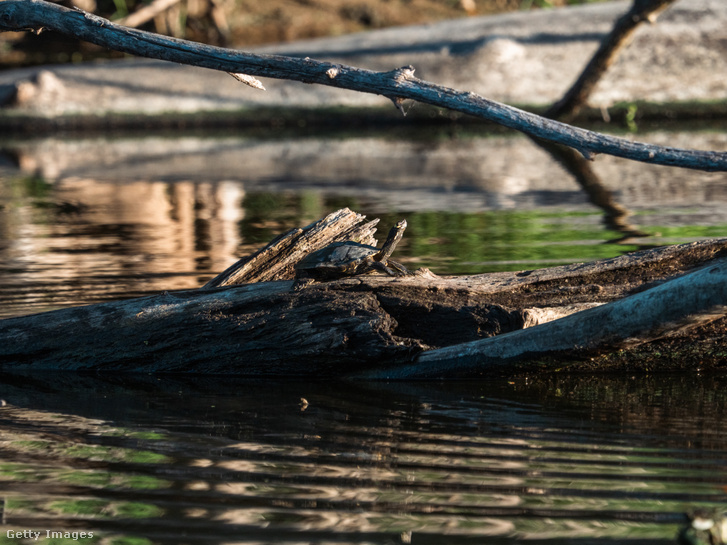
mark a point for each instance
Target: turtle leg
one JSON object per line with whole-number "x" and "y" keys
{"x": 379, "y": 266}
{"x": 301, "y": 282}
{"x": 392, "y": 268}
{"x": 400, "y": 269}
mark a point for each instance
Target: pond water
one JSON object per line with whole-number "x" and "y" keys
{"x": 557, "y": 460}
{"x": 88, "y": 219}
{"x": 210, "y": 460}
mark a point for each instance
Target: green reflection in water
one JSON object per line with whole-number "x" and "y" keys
{"x": 17, "y": 472}
{"x": 81, "y": 507}
{"x": 133, "y": 434}
{"x": 692, "y": 231}
{"x": 31, "y": 187}
{"x": 470, "y": 243}
{"x": 92, "y": 452}
{"x": 454, "y": 242}
{"x": 107, "y": 480}
{"x": 508, "y": 240}
{"x": 20, "y": 472}
{"x": 86, "y": 508}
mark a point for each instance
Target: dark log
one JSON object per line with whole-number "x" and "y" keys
{"x": 374, "y": 326}
{"x": 672, "y": 307}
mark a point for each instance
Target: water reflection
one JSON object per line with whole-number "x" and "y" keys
{"x": 215, "y": 461}
{"x": 90, "y": 240}
{"x": 90, "y": 219}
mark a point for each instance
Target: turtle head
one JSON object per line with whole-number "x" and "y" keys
{"x": 397, "y": 231}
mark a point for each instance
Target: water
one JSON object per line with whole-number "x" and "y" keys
{"x": 148, "y": 459}
{"x": 89, "y": 219}
{"x": 555, "y": 460}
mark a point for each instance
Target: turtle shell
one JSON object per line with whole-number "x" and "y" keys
{"x": 337, "y": 258}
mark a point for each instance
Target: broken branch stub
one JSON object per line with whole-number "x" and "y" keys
{"x": 277, "y": 260}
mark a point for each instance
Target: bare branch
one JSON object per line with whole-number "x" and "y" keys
{"x": 396, "y": 84}
{"x": 575, "y": 98}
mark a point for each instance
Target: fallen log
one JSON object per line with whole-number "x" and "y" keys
{"x": 375, "y": 326}
{"x": 679, "y": 304}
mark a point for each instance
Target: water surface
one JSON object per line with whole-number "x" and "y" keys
{"x": 146, "y": 459}
{"x": 558, "y": 460}
{"x": 89, "y": 219}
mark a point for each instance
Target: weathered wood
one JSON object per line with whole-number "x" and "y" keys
{"x": 277, "y": 260}
{"x": 674, "y": 306}
{"x": 398, "y": 85}
{"x": 380, "y": 327}
{"x": 257, "y": 329}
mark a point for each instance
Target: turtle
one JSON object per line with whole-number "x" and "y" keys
{"x": 349, "y": 258}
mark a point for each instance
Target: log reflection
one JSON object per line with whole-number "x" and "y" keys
{"x": 95, "y": 238}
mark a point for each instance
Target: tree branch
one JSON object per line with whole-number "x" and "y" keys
{"x": 397, "y": 84}
{"x": 575, "y": 98}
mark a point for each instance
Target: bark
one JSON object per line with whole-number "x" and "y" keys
{"x": 398, "y": 85}
{"x": 686, "y": 302}
{"x": 374, "y": 326}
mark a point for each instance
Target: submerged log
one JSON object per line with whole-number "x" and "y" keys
{"x": 374, "y": 326}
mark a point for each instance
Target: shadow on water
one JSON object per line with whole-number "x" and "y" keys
{"x": 209, "y": 460}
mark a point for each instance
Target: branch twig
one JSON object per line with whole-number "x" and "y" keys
{"x": 396, "y": 84}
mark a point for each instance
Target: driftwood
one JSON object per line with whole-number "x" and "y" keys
{"x": 276, "y": 260}
{"x": 373, "y": 326}
{"x": 397, "y": 85}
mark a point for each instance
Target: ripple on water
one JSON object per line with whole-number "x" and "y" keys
{"x": 242, "y": 463}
